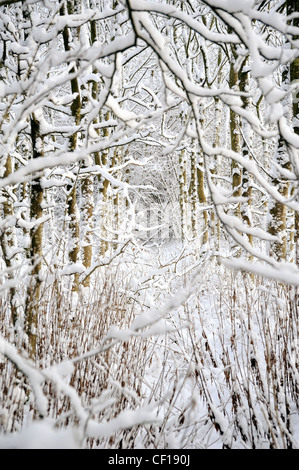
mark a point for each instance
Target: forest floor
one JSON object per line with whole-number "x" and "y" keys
{"x": 230, "y": 362}
{"x": 215, "y": 363}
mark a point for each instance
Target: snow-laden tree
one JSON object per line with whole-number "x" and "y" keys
{"x": 121, "y": 121}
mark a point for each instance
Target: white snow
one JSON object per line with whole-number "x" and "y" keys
{"x": 180, "y": 340}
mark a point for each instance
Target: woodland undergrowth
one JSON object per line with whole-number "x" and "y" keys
{"x": 225, "y": 375}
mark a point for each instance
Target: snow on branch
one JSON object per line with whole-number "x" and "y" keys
{"x": 172, "y": 12}
{"x": 284, "y": 272}
{"x": 44, "y": 433}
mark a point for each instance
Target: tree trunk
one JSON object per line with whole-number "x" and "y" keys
{"x": 87, "y": 224}
{"x": 203, "y": 202}
{"x": 193, "y": 193}
{"x": 74, "y": 232}
{"x": 293, "y": 7}
{"x": 8, "y": 241}
{"x": 278, "y": 211}
{"x": 72, "y": 208}
{"x": 235, "y": 136}
{"x": 183, "y": 197}
{"x": 104, "y": 194}
{"x": 215, "y": 223}
{"x": 246, "y": 143}
{"x": 36, "y": 245}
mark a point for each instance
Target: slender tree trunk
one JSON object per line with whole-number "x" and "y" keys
{"x": 116, "y": 198}
{"x": 215, "y": 223}
{"x": 72, "y": 207}
{"x": 278, "y": 211}
{"x": 74, "y": 232}
{"x": 36, "y": 244}
{"x": 8, "y": 240}
{"x": 293, "y": 7}
{"x": 183, "y": 197}
{"x": 246, "y": 143}
{"x": 104, "y": 161}
{"x": 202, "y": 199}
{"x": 236, "y": 146}
{"x": 87, "y": 223}
{"x": 193, "y": 193}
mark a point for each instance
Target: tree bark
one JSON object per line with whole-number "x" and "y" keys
{"x": 72, "y": 207}
{"x": 235, "y": 136}
{"x": 8, "y": 241}
{"x": 246, "y": 143}
{"x": 293, "y": 7}
{"x": 36, "y": 244}
{"x": 183, "y": 196}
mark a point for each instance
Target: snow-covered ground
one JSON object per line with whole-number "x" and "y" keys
{"x": 169, "y": 349}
